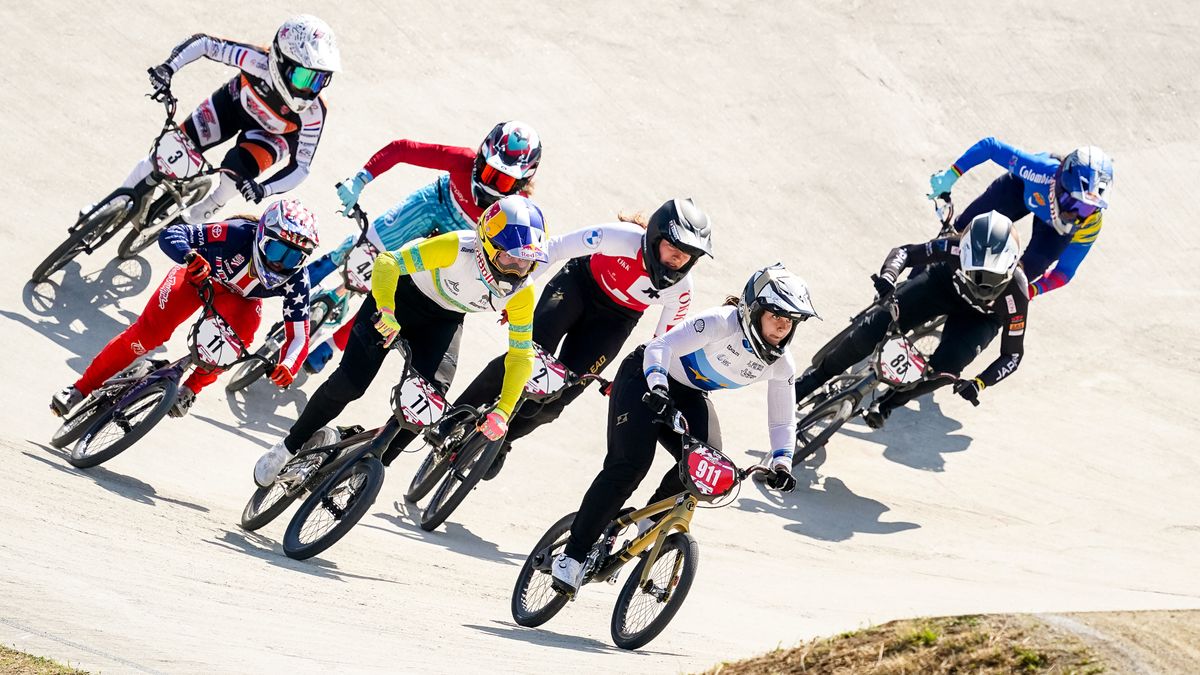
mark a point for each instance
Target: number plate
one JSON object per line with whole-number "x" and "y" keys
{"x": 712, "y": 474}
{"x": 176, "y": 157}
{"x": 359, "y": 264}
{"x": 549, "y": 376}
{"x": 420, "y": 403}
{"x": 216, "y": 343}
{"x": 900, "y": 362}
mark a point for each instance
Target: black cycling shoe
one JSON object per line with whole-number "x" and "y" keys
{"x": 876, "y": 416}
{"x": 497, "y": 463}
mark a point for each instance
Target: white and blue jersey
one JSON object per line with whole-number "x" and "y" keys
{"x": 709, "y": 352}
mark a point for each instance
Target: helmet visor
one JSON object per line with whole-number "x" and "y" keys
{"x": 987, "y": 284}
{"x": 496, "y": 179}
{"x": 280, "y": 256}
{"x": 308, "y": 81}
{"x": 1068, "y": 203}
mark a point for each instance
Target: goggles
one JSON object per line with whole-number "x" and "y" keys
{"x": 307, "y": 80}
{"x": 1081, "y": 209}
{"x": 494, "y": 178}
{"x": 511, "y": 264}
{"x": 280, "y": 256}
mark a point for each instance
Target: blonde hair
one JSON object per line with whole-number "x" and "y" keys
{"x": 636, "y": 217}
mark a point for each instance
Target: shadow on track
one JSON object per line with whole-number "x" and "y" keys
{"x": 73, "y": 309}
{"x": 270, "y": 551}
{"x": 546, "y": 638}
{"x": 258, "y": 406}
{"x": 116, "y": 483}
{"x": 456, "y": 538}
{"x": 918, "y": 439}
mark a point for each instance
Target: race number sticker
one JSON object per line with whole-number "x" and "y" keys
{"x": 420, "y": 403}
{"x": 359, "y": 264}
{"x": 175, "y": 156}
{"x": 900, "y": 362}
{"x": 216, "y": 343}
{"x": 549, "y": 376}
{"x": 711, "y": 473}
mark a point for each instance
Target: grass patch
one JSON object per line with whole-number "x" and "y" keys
{"x": 13, "y": 662}
{"x": 987, "y": 645}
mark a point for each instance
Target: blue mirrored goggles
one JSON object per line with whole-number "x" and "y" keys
{"x": 281, "y": 256}
{"x": 308, "y": 80}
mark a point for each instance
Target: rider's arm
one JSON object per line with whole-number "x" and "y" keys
{"x": 1068, "y": 262}
{"x": 992, "y": 149}
{"x": 179, "y": 239}
{"x": 518, "y": 362}
{"x": 427, "y": 155}
{"x": 675, "y": 309}
{"x": 1012, "y": 340}
{"x": 295, "y": 321}
{"x": 781, "y": 410}
{"x": 224, "y": 51}
{"x": 434, "y": 253}
{"x": 916, "y": 255}
{"x": 690, "y": 336}
{"x": 615, "y": 239}
{"x": 312, "y": 121}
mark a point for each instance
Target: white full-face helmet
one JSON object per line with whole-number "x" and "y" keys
{"x": 988, "y": 254}
{"x": 304, "y": 56}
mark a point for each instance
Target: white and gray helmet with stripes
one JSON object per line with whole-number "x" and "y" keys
{"x": 303, "y": 58}
{"x": 988, "y": 254}
{"x": 784, "y": 294}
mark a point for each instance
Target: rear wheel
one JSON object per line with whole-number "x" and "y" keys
{"x": 645, "y": 608}
{"x": 466, "y": 468}
{"x": 927, "y": 336}
{"x": 534, "y": 600}
{"x": 160, "y": 214}
{"x": 816, "y": 428}
{"x": 125, "y": 424}
{"x": 333, "y": 508}
{"x": 249, "y": 371}
{"x": 90, "y": 232}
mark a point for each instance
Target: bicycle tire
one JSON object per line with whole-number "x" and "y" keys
{"x": 159, "y": 215}
{"x": 96, "y": 225}
{"x": 555, "y": 538}
{"x": 837, "y": 410}
{"x": 471, "y": 462}
{"x": 429, "y": 473}
{"x": 372, "y": 470}
{"x": 77, "y": 423}
{"x": 259, "y": 511}
{"x": 683, "y": 573}
{"x": 166, "y": 389}
{"x": 248, "y": 372}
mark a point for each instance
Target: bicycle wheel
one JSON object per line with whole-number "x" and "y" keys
{"x": 79, "y": 421}
{"x": 333, "y": 508}
{"x": 644, "y": 610}
{"x": 431, "y": 470}
{"x": 471, "y": 461}
{"x": 93, "y": 230}
{"x": 266, "y": 504}
{"x": 534, "y": 600}
{"x": 928, "y": 336}
{"x": 162, "y": 212}
{"x": 248, "y": 372}
{"x": 816, "y": 428}
{"x": 124, "y": 424}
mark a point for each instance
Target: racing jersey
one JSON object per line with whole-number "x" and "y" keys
{"x": 615, "y": 262}
{"x": 1010, "y": 309}
{"x": 228, "y": 247}
{"x": 446, "y": 269}
{"x": 1037, "y": 172}
{"x": 710, "y": 352}
{"x": 260, "y": 101}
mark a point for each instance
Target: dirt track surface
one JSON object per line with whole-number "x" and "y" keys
{"x": 807, "y": 130}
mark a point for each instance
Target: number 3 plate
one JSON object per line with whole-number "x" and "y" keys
{"x": 176, "y": 158}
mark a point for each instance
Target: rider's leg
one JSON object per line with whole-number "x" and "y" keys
{"x": 1045, "y": 247}
{"x": 173, "y": 302}
{"x": 1006, "y": 195}
{"x": 964, "y": 336}
{"x": 632, "y": 437}
{"x": 243, "y": 315}
{"x": 254, "y": 153}
{"x": 434, "y": 344}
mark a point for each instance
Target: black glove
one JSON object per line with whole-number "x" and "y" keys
{"x": 969, "y": 390}
{"x": 251, "y": 190}
{"x": 160, "y": 77}
{"x": 658, "y": 400}
{"x": 782, "y": 480}
{"x": 883, "y": 287}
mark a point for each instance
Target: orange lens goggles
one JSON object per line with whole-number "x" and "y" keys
{"x": 495, "y": 178}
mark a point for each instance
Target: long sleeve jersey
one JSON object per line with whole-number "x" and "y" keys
{"x": 1010, "y": 309}
{"x": 228, "y": 246}
{"x": 1037, "y": 172}
{"x": 709, "y": 352}
{"x": 261, "y": 102}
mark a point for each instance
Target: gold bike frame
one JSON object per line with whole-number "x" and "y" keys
{"x": 680, "y": 508}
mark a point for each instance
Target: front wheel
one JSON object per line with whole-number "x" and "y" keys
{"x": 75, "y": 424}
{"x": 90, "y": 232}
{"x": 534, "y": 600}
{"x": 248, "y": 372}
{"x": 431, "y": 470}
{"x": 333, "y": 508}
{"x": 124, "y": 424}
{"x": 266, "y": 504}
{"x": 469, "y": 463}
{"x": 645, "y": 608}
{"x": 815, "y": 429}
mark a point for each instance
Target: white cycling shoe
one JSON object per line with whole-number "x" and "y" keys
{"x": 267, "y": 467}
{"x": 62, "y": 402}
{"x": 566, "y": 574}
